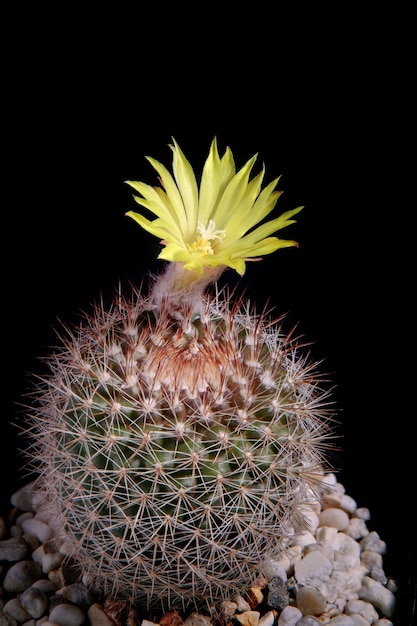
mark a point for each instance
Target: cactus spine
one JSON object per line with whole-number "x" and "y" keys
{"x": 179, "y": 433}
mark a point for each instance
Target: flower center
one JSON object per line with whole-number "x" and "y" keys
{"x": 205, "y": 237}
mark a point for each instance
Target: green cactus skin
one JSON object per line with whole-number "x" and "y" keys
{"x": 178, "y": 445}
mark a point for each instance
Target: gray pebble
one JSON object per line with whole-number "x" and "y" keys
{"x": 34, "y": 601}
{"x": 44, "y": 585}
{"x": 278, "y": 596}
{"x": 21, "y": 575}
{"x": 14, "y": 609}
{"x": 22, "y": 498}
{"x": 67, "y": 615}
{"x": 16, "y": 531}
{"x": 7, "y": 620}
{"x": 77, "y": 594}
{"x": 13, "y": 549}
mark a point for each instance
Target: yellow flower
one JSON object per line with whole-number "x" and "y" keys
{"x": 217, "y": 223}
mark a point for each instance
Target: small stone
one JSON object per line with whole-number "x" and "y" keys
{"x": 278, "y": 596}
{"x": 379, "y": 596}
{"x": 267, "y": 619}
{"x": 248, "y": 618}
{"x": 358, "y": 620}
{"x": 272, "y": 567}
{"x": 38, "y": 529}
{"x": 77, "y": 594}
{"x": 242, "y": 604}
{"x": 308, "y": 620}
{"x": 13, "y": 549}
{"x": 14, "y": 609}
{"x": 56, "y": 577}
{"x": 47, "y": 558}
{"x": 377, "y": 573}
{"x": 22, "y": 517}
{"x": 22, "y": 498}
{"x": 7, "y": 620}
{"x": 310, "y": 601}
{"x": 371, "y": 559}
{"x": 255, "y": 597}
{"x": 98, "y": 617}
{"x": 335, "y": 518}
{"x": 228, "y": 608}
{"x": 16, "y": 531}
{"x": 310, "y": 518}
{"x": 21, "y": 575}
{"x": 365, "y": 609}
{"x": 342, "y": 620}
{"x": 44, "y": 585}
{"x": 314, "y": 566}
{"x": 34, "y": 601}
{"x": 363, "y": 513}
{"x": 373, "y": 543}
{"x": 67, "y": 615}
{"x": 348, "y": 504}
{"x": 303, "y": 539}
{"x": 356, "y": 528}
{"x": 290, "y": 616}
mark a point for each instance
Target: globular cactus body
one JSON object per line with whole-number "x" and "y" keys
{"x": 178, "y": 440}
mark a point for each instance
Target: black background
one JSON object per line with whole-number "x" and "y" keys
{"x": 324, "y": 102}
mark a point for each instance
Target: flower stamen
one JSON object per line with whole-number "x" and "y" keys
{"x": 206, "y": 235}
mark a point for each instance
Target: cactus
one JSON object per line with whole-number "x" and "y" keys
{"x": 178, "y": 433}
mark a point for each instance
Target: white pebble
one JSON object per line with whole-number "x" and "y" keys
{"x": 38, "y": 529}
{"x": 373, "y": 543}
{"x": 327, "y": 535}
{"x": 310, "y": 518}
{"x": 334, "y": 518}
{"x": 348, "y": 504}
{"x": 379, "y": 596}
{"x": 268, "y": 619}
{"x": 313, "y": 569}
{"x": 365, "y": 609}
{"x": 342, "y": 620}
{"x": 357, "y": 528}
{"x": 363, "y": 513}
{"x": 248, "y": 618}
{"x": 289, "y": 616}
{"x": 303, "y": 539}
{"x": 358, "y": 620}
